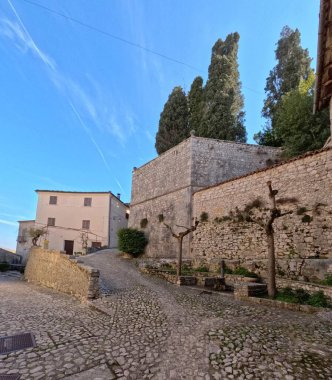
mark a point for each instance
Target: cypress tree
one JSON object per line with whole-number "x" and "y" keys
{"x": 173, "y": 122}
{"x": 223, "y": 109}
{"x": 293, "y": 64}
{"x": 196, "y": 105}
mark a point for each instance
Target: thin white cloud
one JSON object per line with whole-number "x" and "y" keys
{"x": 149, "y": 136}
{"x": 14, "y": 216}
{"x": 18, "y": 33}
{"x": 8, "y": 222}
{"x": 119, "y": 184}
{"x": 151, "y": 65}
{"x": 88, "y": 131}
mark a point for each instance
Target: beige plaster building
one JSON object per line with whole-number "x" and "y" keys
{"x": 75, "y": 221}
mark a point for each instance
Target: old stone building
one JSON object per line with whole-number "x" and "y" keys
{"x": 165, "y": 185}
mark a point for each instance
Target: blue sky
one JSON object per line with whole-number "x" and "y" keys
{"x": 79, "y": 109}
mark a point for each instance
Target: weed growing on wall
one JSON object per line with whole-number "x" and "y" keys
{"x": 143, "y": 223}
{"x": 204, "y": 217}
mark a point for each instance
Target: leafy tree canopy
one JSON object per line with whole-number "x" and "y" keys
{"x": 293, "y": 64}
{"x": 296, "y": 125}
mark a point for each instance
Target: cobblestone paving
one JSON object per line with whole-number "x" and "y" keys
{"x": 145, "y": 328}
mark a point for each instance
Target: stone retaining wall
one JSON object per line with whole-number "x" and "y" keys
{"x": 59, "y": 271}
{"x": 172, "y": 278}
{"x": 305, "y": 233}
{"x": 283, "y": 305}
{"x": 308, "y": 286}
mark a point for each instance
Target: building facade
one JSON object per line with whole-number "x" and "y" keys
{"x": 165, "y": 186}
{"x": 24, "y": 240}
{"x": 75, "y": 221}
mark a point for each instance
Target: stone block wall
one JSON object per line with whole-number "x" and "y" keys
{"x": 175, "y": 208}
{"x": 215, "y": 161}
{"x": 165, "y": 185}
{"x": 305, "y": 233}
{"x": 59, "y": 271}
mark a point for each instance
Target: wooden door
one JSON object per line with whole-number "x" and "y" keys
{"x": 69, "y": 247}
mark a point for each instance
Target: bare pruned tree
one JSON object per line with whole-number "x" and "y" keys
{"x": 265, "y": 220}
{"x": 179, "y": 236}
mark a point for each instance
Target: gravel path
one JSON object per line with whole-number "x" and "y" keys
{"x": 145, "y": 328}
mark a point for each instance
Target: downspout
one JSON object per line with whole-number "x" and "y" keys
{"x": 109, "y": 220}
{"x": 190, "y": 189}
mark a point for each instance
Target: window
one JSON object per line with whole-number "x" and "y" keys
{"x": 51, "y": 222}
{"x": 53, "y": 200}
{"x": 86, "y": 224}
{"x": 87, "y": 201}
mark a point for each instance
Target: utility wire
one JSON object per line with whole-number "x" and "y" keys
{"x": 121, "y": 39}
{"x": 95, "y": 29}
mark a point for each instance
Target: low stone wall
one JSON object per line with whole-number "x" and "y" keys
{"x": 308, "y": 286}
{"x": 282, "y": 305}
{"x": 59, "y": 271}
{"x": 248, "y": 289}
{"x": 298, "y": 269}
{"x": 172, "y": 278}
{"x": 10, "y": 258}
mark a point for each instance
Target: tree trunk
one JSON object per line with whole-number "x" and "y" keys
{"x": 180, "y": 239}
{"x": 271, "y": 266}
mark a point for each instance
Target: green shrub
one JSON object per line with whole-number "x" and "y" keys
{"x": 202, "y": 269}
{"x": 168, "y": 268}
{"x": 286, "y": 295}
{"x": 300, "y": 296}
{"x": 132, "y": 241}
{"x": 318, "y": 299}
{"x": 227, "y": 270}
{"x": 186, "y": 269}
{"x": 240, "y": 271}
{"x": 4, "y": 267}
{"x": 327, "y": 281}
{"x": 301, "y": 210}
{"x": 306, "y": 218}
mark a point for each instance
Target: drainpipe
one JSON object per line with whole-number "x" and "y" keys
{"x": 330, "y": 121}
{"x": 109, "y": 221}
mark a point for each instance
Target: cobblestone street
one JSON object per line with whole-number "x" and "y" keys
{"x": 145, "y": 328}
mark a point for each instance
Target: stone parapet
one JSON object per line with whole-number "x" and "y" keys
{"x": 283, "y": 305}
{"x": 248, "y": 289}
{"x": 64, "y": 273}
{"x": 307, "y": 286}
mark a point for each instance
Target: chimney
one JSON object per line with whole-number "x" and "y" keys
{"x": 118, "y": 195}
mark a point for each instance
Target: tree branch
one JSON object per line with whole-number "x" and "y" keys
{"x": 187, "y": 228}
{"x": 170, "y": 228}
